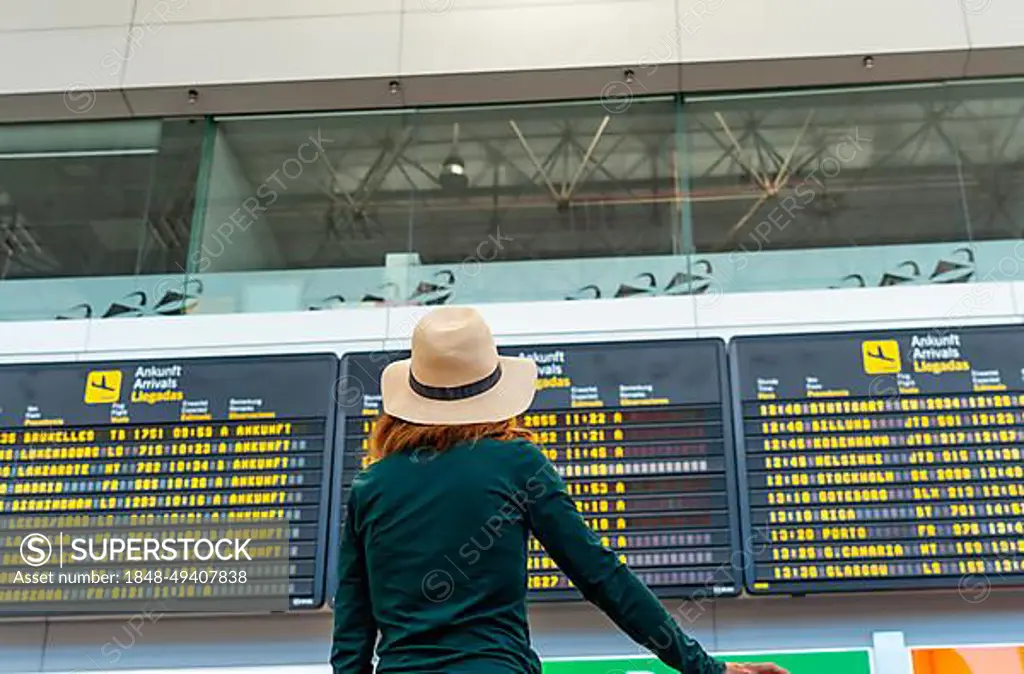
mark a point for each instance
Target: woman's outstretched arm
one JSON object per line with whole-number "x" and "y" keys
{"x": 599, "y": 573}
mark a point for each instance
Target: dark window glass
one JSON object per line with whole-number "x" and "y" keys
{"x": 96, "y": 199}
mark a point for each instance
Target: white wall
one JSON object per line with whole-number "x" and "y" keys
{"x": 730, "y": 625}
{"x": 74, "y": 57}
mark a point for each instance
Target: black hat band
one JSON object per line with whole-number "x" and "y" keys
{"x": 456, "y": 392}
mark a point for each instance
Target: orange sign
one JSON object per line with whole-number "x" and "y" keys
{"x": 969, "y": 660}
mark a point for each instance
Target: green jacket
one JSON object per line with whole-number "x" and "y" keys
{"x": 434, "y": 558}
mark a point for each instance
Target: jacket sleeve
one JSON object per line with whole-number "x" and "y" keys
{"x": 355, "y": 630}
{"x": 600, "y": 575}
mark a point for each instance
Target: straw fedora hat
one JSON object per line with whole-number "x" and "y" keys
{"x": 455, "y": 375}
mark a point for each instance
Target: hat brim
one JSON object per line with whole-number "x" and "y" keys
{"x": 510, "y": 397}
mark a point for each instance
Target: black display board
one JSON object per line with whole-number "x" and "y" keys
{"x": 641, "y": 433}
{"x": 882, "y": 460}
{"x": 216, "y": 437}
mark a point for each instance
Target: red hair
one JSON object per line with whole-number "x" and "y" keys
{"x": 391, "y": 434}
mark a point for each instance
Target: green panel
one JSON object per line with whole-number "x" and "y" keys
{"x": 811, "y": 662}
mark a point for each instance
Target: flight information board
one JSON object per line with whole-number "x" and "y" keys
{"x": 641, "y": 434}
{"x": 882, "y": 460}
{"x": 171, "y": 442}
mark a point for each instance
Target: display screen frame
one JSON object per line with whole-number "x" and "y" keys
{"x": 963, "y": 584}
{"x": 733, "y": 567}
{"x": 330, "y": 360}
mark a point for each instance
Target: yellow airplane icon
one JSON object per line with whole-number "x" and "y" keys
{"x": 103, "y": 386}
{"x": 881, "y": 356}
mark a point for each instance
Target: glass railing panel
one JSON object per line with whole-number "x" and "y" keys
{"x": 289, "y": 214}
{"x": 987, "y": 128}
{"x": 412, "y": 208}
{"x": 98, "y": 297}
{"x": 504, "y": 281}
{"x": 94, "y": 216}
{"x": 832, "y": 189}
{"x": 815, "y": 189}
{"x": 553, "y": 202}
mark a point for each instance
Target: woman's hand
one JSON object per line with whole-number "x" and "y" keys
{"x": 753, "y": 668}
